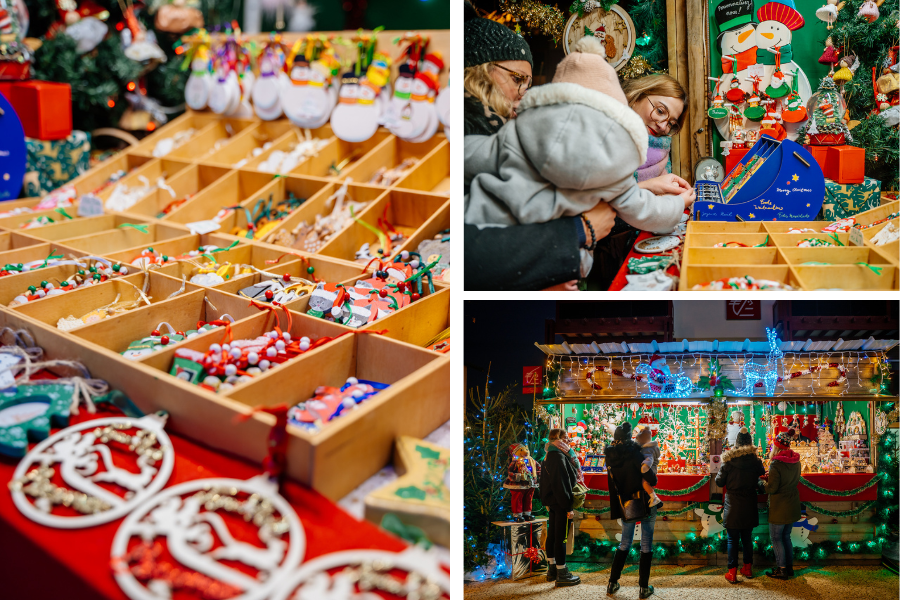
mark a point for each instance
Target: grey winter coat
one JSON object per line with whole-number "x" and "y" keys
{"x": 739, "y": 476}
{"x": 569, "y": 149}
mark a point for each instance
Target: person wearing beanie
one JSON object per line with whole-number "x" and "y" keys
{"x": 558, "y": 478}
{"x": 739, "y": 475}
{"x": 541, "y": 255}
{"x": 575, "y": 134}
{"x": 498, "y": 66}
{"x": 623, "y": 463}
{"x": 784, "y": 502}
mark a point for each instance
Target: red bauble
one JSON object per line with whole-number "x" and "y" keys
{"x": 164, "y": 340}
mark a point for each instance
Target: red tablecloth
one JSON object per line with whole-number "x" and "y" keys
{"x": 835, "y": 481}
{"x": 39, "y": 562}
{"x": 619, "y": 281}
{"x": 667, "y": 481}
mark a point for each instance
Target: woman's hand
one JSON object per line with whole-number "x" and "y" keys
{"x": 669, "y": 183}
{"x": 602, "y": 218}
{"x": 688, "y": 196}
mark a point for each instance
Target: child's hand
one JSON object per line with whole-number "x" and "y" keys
{"x": 689, "y": 196}
{"x": 644, "y": 468}
{"x": 569, "y": 286}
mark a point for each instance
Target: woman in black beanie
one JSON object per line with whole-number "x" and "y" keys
{"x": 623, "y": 463}
{"x": 558, "y": 477}
{"x": 498, "y": 65}
{"x": 740, "y": 472}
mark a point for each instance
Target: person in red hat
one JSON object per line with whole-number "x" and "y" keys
{"x": 784, "y": 502}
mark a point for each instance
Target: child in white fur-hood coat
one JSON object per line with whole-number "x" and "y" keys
{"x": 574, "y": 143}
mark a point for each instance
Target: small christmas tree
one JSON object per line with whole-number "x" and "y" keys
{"x": 826, "y": 126}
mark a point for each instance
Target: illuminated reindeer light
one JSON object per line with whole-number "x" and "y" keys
{"x": 767, "y": 373}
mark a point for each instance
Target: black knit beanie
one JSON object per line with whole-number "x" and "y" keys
{"x": 623, "y": 432}
{"x": 743, "y": 438}
{"x": 489, "y": 41}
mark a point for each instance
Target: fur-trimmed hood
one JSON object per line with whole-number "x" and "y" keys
{"x": 739, "y": 451}
{"x": 650, "y": 444}
{"x": 588, "y": 102}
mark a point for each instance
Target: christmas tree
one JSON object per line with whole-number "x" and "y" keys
{"x": 825, "y": 127}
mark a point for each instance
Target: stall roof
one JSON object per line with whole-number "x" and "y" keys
{"x": 715, "y": 346}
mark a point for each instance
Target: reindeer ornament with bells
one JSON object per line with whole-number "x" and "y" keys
{"x": 767, "y": 373}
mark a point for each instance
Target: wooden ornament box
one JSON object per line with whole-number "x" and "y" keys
{"x": 347, "y": 450}
{"x": 781, "y": 260}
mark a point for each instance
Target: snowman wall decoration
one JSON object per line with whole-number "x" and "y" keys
{"x": 800, "y": 531}
{"x": 711, "y": 518}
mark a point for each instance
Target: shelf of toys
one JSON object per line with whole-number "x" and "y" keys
{"x": 695, "y": 396}
{"x": 325, "y": 252}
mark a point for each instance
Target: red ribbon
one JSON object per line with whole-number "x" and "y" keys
{"x": 275, "y": 461}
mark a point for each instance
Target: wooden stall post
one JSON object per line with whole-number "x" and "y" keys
{"x": 697, "y": 54}
{"x": 677, "y": 31}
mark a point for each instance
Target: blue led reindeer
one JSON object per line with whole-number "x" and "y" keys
{"x": 767, "y": 373}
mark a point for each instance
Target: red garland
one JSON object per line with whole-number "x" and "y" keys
{"x": 814, "y": 369}
{"x": 616, "y": 372}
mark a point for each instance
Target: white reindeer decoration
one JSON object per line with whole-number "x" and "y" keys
{"x": 767, "y": 373}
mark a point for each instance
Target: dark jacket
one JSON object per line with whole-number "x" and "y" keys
{"x": 739, "y": 476}
{"x": 557, "y": 481}
{"x": 522, "y": 257}
{"x": 782, "y": 487}
{"x": 479, "y": 119}
{"x": 623, "y": 463}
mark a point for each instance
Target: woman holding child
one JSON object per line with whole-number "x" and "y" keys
{"x": 561, "y": 152}
{"x": 630, "y": 501}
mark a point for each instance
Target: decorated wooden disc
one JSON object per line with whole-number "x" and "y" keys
{"x": 614, "y": 28}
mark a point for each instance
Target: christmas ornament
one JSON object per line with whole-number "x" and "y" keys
{"x": 100, "y": 495}
{"x": 718, "y": 109}
{"x": 793, "y": 110}
{"x": 869, "y": 10}
{"x": 189, "y": 538}
{"x": 662, "y": 383}
{"x": 768, "y": 373}
{"x": 313, "y": 91}
{"x": 754, "y": 111}
{"x": 413, "y": 574}
{"x": 829, "y": 12}
{"x": 272, "y": 80}
{"x": 615, "y": 30}
{"x": 30, "y": 411}
{"x": 829, "y": 54}
{"x": 777, "y": 88}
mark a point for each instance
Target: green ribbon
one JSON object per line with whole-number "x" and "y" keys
{"x": 840, "y": 513}
{"x": 876, "y": 270}
{"x": 842, "y": 493}
{"x": 142, "y": 227}
{"x": 51, "y": 257}
{"x": 63, "y": 212}
{"x": 834, "y": 236}
{"x": 764, "y": 244}
{"x": 233, "y": 244}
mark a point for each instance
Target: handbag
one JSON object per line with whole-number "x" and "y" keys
{"x": 633, "y": 509}
{"x": 579, "y": 492}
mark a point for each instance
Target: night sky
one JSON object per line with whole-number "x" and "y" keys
{"x": 503, "y": 337}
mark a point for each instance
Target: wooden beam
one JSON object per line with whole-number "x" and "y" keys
{"x": 697, "y": 53}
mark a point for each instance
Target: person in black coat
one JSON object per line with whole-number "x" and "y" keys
{"x": 623, "y": 462}
{"x": 740, "y": 472}
{"x": 558, "y": 477}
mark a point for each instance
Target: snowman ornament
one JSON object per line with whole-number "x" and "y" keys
{"x": 198, "y": 86}
{"x": 267, "y": 89}
{"x": 357, "y": 114}
{"x": 310, "y": 97}
{"x": 412, "y": 115}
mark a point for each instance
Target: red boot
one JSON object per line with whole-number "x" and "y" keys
{"x": 747, "y": 571}
{"x": 731, "y": 575}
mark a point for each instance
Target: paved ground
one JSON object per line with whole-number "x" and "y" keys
{"x": 706, "y": 583}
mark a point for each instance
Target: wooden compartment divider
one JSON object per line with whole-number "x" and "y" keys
{"x": 350, "y": 448}
{"x": 80, "y": 302}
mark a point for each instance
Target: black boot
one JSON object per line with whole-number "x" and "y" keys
{"x": 789, "y": 571}
{"x": 646, "y": 590}
{"x": 564, "y": 578}
{"x": 777, "y": 573}
{"x": 616, "y": 571}
{"x": 528, "y": 517}
{"x": 551, "y": 572}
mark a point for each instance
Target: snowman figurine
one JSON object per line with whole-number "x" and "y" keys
{"x": 225, "y": 94}
{"x": 411, "y": 115}
{"x": 357, "y": 114}
{"x": 199, "y": 84}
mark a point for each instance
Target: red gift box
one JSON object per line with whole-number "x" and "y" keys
{"x": 6, "y": 89}
{"x": 845, "y": 164}
{"x": 818, "y": 153}
{"x": 44, "y": 107}
{"x": 734, "y": 157}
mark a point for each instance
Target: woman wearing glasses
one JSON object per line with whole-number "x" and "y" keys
{"x": 523, "y": 257}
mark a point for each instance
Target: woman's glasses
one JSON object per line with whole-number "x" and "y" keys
{"x": 523, "y": 81}
{"x": 661, "y": 115}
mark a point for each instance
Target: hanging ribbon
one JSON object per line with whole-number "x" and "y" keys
{"x": 139, "y": 227}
